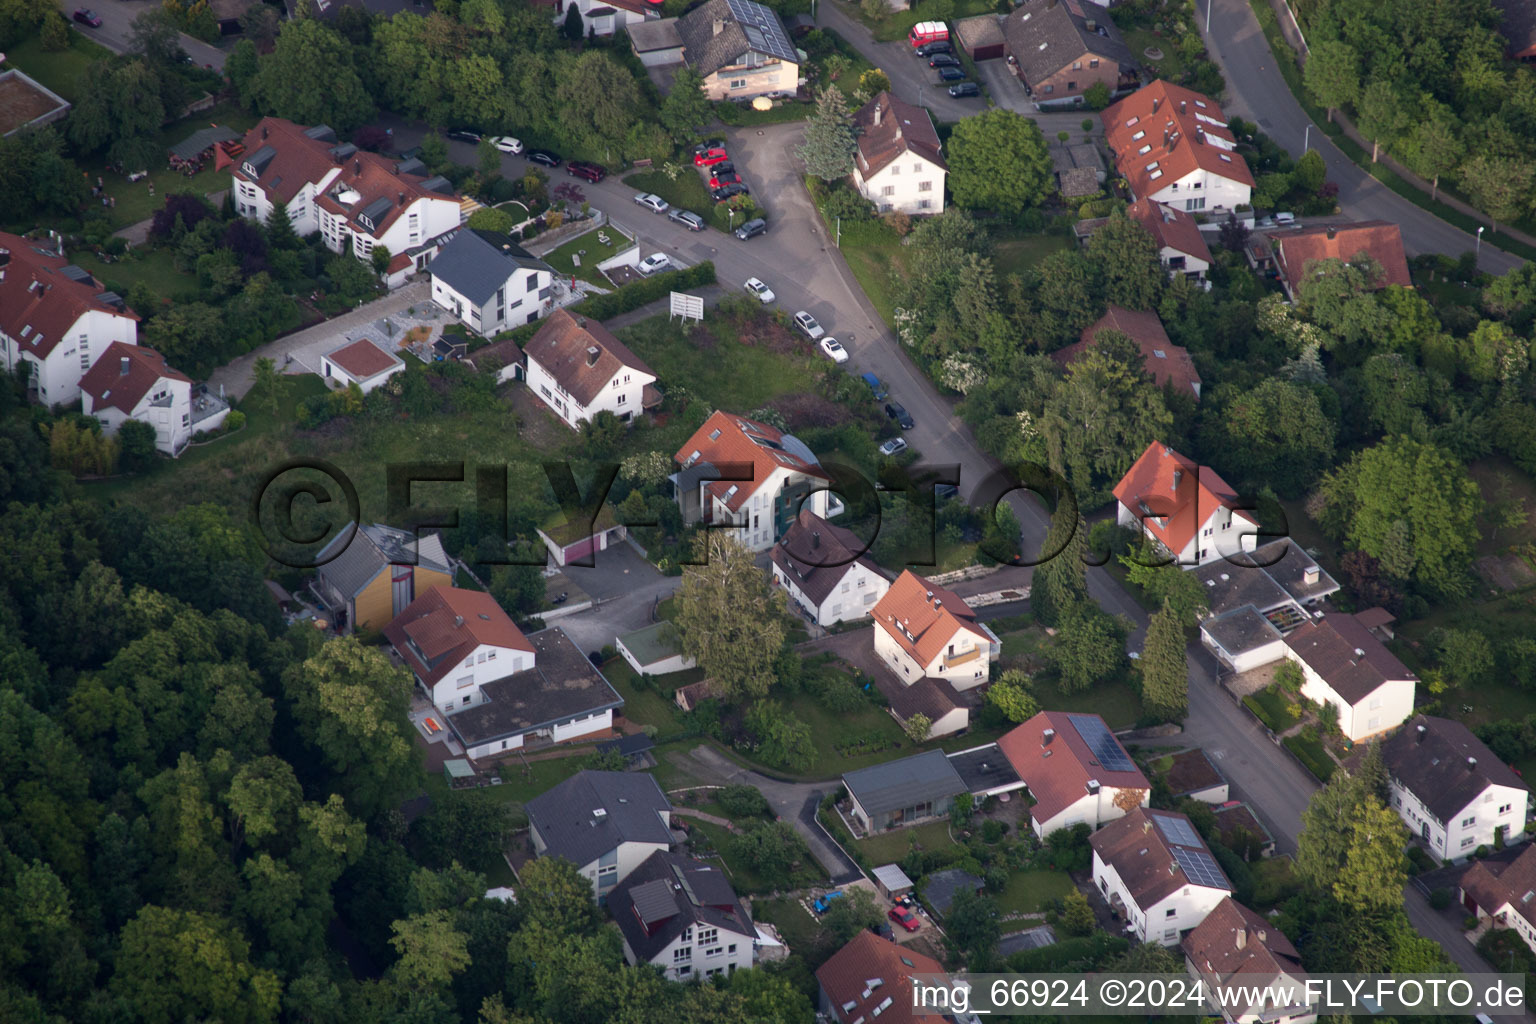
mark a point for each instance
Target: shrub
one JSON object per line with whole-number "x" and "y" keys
{"x": 234, "y": 421}
{"x": 1440, "y": 899}
{"x": 743, "y": 802}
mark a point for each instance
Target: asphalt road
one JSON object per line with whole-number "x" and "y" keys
{"x": 117, "y": 28}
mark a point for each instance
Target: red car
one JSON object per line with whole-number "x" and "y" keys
{"x": 722, "y": 180}
{"x": 710, "y": 157}
{"x": 904, "y": 917}
{"x": 86, "y": 16}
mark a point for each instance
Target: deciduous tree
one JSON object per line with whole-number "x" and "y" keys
{"x": 1332, "y": 75}
{"x": 309, "y": 78}
{"x": 999, "y": 138}
{"x": 1010, "y": 694}
{"x": 729, "y": 619}
{"x": 1126, "y": 258}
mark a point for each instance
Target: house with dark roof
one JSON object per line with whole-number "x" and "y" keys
{"x": 489, "y": 282}
{"x": 870, "y": 979}
{"x": 825, "y": 571}
{"x": 1181, "y": 248}
{"x": 747, "y": 474}
{"x": 368, "y": 575}
{"x": 1192, "y": 774}
{"x": 455, "y": 641}
{"x": 1298, "y": 251}
{"x": 1077, "y": 771}
{"x": 741, "y": 49}
{"x": 906, "y": 791}
{"x": 899, "y": 164}
{"x": 56, "y": 320}
{"x": 361, "y": 362}
{"x": 1157, "y": 874}
{"x": 1502, "y": 893}
{"x": 941, "y": 887}
{"x": 1060, "y": 49}
{"x": 1173, "y": 146}
{"x": 606, "y": 823}
{"x": 1235, "y": 952}
{"x": 131, "y": 382}
{"x": 1517, "y": 24}
{"x": 1254, "y": 599}
{"x": 506, "y": 356}
{"x": 682, "y": 916}
{"x": 1169, "y": 364}
{"x": 1343, "y": 664}
{"x": 579, "y": 369}
{"x": 1453, "y": 792}
{"x": 1189, "y": 511}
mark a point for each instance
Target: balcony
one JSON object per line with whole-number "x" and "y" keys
{"x": 206, "y": 405}
{"x": 960, "y": 659}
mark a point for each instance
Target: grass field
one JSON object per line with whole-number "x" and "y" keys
{"x": 794, "y": 923}
{"x": 829, "y": 728}
{"x": 154, "y": 268}
{"x": 1270, "y": 705}
{"x": 895, "y": 24}
{"x": 1030, "y": 892}
{"x": 1015, "y": 253}
{"x": 743, "y": 877}
{"x": 648, "y": 707}
{"x": 873, "y": 253}
{"x": 686, "y": 192}
{"x": 1022, "y": 642}
{"x": 62, "y": 72}
{"x": 730, "y": 375}
{"x": 890, "y": 847}
{"x": 562, "y": 259}
{"x": 1116, "y": 702}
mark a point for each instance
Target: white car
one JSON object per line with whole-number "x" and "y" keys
{"x": 655, "y": 263}
{"x": 763, "y": 292}
{"x": 809, "y": 325}
{"x": 834, "y": 350}
{"x": 651, "y": 202}
{"x": 507, "y": 144}
{"x": 895, "y": 446}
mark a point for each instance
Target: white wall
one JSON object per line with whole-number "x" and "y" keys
{"x": 1192, "y": 264}
{"x": 700, "y": 952}
{"x": 1469, "y": 828}
{"x": 1248, "y": 660}
{"x": 520, "y": 304}
{"x": 334, "y": 373}
{"x": 1388, "y": 707}
{"x": 604, "y": 25}
{"x": 899, "y": 185}
{"x": 423, "y": 219}
{"x": 1096, "y": 811}
{"x": 172, "y": 420}
{"x": 741, "y": 83}
{"x": 622, "y": 396}
{"x": 251, "y": 201}
{"x": 1302, "y": 1013}
{"x": 962, "y": 676}
{"x": 756, "y": 513}
{"x": 1164, "y": 920}
{"x": 1222, "y": 534}
{"x": 58, "y": 376}
{"x": 1200, "y": 191}
{"x": 853, "y": 598}
{"x": 485, "y": 664}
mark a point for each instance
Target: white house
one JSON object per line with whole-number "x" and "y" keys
{"x": 739, "y": 471}
{"x": 1076, "y": 770}
{"x": 655, "y": 650}
{"x": 359, "y": 362}
{"x": 682, "y": 916}
{"x": 1503, "y": 893}
{"x": 1187, "y": 509}
{"x": 456, "y": 641}
{"x": 579, "y": 369}
{"x": 130, "y": 382}
{"x": 1236, "y": 951}
{"x": 489, "y": 283}
{"x": 605, "y": 17}
{"x": 825, "y": 572}
{"x": 56, "y": 320}
{"x": 900, "y": 163}
{"x": 1181, "y": 248}
{"x": 1173, "y": 146}
{"x": 921, "y": 630}
{"x": 357, "y": 200}
{"x": 606, "y": 823}
{"x": 1343, "y": 664}
{"x": 1157, "y": 874}
{"x": 1453, "y": 792}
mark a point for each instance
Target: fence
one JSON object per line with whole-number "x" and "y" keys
{"x": 555, "y": 237}
{"x": 970, "y": 572}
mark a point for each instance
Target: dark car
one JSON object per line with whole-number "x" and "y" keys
{"x": 752, "y": 228}
{"x": 463, "y": 135}
{"x": 709, "y": 144}
{"x": 722, "y": 180}
{"x": 943, "y": 60}
{"x": 929, "y": 49}
{"x": 411, "y": 154}
{"x": 951, "y": 74}
{"x": 582, "y": 169}
{"x": 86, "y": 16}
{"x": 960, "y": 89}
{"x": 543, "y": 156}
{"x": 725, "y": 192}
{"x": 725, "y": 167}
{"x": 896, "y": 412}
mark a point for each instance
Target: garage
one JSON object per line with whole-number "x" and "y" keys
{"x": 576, "y": 543}
{"x": 981, "y": 37}
{"x": 656, "y": 43}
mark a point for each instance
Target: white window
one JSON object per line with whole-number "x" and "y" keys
{"x": 738, "y": 83}
{"x": 1375, "y": 703}
{"x": 925, "y": 186}
{"x": 924, "y": 204}
{"x": 1093, "y": 63}
{"x": 1077, "y": 65}
{"x": 895, "y": 169}
{"x": 1469, "y": 822}
{"x": 682, "y": 954}
{"x": 1195, "y": 204}
{"x": 917, "y": 168}
{"x": 1505, "y": 809}
{"x": 481, "y": 659}
{"x": 708, "y": 935}
{"x": 1139, "y": 136}
{"x": 1468, "y": 842}
{"x": 1049, "y": 89}
{"x": 465, "y": 682}
{"x": 888, "y": 190}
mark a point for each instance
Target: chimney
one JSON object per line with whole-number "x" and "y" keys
{"x": 816, "y": 538}
{"x": 458, "y": 620}
{"x": 1423, "y": 731}
{"x": 592, "y": 354}
{"x": 1471, "y": 764}
{"x": 123, "y": 371}
{"x": 1359, "y": 652}
{"x": 1046, "y": 737}
{"x": 879, "y": 114}
{"x": 599, "y": 814}
{"x": 263, "y": 131}
{"x": 1093, "y": 26}
{"x": 1310, "y": 575}
{"x": 357, "y": 167}
{"x": 1183, "y": 106}
{"x": 719, "y": 26}
{"x": 1157, "y": 101}
{"x": 581, "y": 321}
{"x": 1241, "y": 938}
{"x": 402, "y": 198}
{"x": 1093, "y": 787}
{"x": 1178, "y": 478}
{"x": 1165, "y": 138}
{"x": 1146, "y": 826}
{"x": 1331, "y": 232}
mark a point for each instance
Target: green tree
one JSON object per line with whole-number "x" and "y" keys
{"x": 432, "y": 951}
{"x": 1433, "y": 147}
{"x": 1060, "y": 583}
{"x": 847, "y": 917}
{"x": 771, "y": 848}
{"x": 1126, "y": 258}
{"x": 1332, "y": 75}
{"x": 174, "y": 965}
{"x": 686, "y": 109}
{"x": 1310, "y": 173}
{"x": 263, "y": 801}
{"x": 269, "y": 384}
{"x": 782, "y": 739}
{"x": 434, "y": 151}
{"x": 917, "y": 727}
{"x": 1089, "y": 648}
{"x": 1168, "y": 585}
{"x": 1147, "y": 958}
{"x": 999, "y": 138}
{"x": 1076, "y": 915}
{"x": 771, "y": 998}
{"x": 1276, "y": 434}
{"x": 136, "y": 449}
{"x": 1097, "y": 96}
{"x": 728, "y": 617}
{"x": 874, "y": 82}
{"x": 1382, "y": 114}
{"x": 309, "y": 78}
{"x": 119, "y": 113}
{"x": 55, "y": 32}
{"x": 519, "y": 589}
{"x": 572, "y": 27}
{"x": 829, "y": 141}
{"x": 599, "y": 99}
{"x": 1372, "y": 877}
{"x": 1165, "y": 666}
{"x": 1010, "y": 694}
{"x": 1500, "y": 186}
{"x": 557, "y": 898}
{"x": 974, "y": 925}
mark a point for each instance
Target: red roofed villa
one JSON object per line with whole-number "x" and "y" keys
{"x": 1076, "y": 770}
{"x": 1296, "y": 251}
{"x": 923, "y": 630}
{"x": 1166, "y": 362}
{"x": 130, "y": 382}
{"x": 1186, "y": 508}
{"x": 1173, "y": 146}
{"x": 869, "y": 979}
{"x": 1180, "y": 246}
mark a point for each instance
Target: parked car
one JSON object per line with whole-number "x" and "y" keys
{"x": 823, "y": 903}
{"x": 960, "y": 89}
{"x": 834, "y": 350}
{"x": 898, "y": 413}
{"x": 929, "y": 49}
{"x": 707, "y": 145}
{"x": 944, "y": 492}
{"x": 589, "y": 172}
{"x": 411, "y": 154}
{"x": 809, "y": 326}
{"x": 881, "y": 929}
{"x": 688, "y": 219}
{"x": 507, "y": 144}
{"x": 895, "y": 446}
{"x": 655, "y": 263}
{"x": 462, "y": 135}
{"x": 651, "y": 202}
{"x": 725, "y": 192}
{"x": 86, "y": 16}
{"x": 1285, "y": 220}
{"x": 724, "y": 178}
{"x": 943, "y": 60}
{"x": 951, "y": 74}
{"x": 543, "y": 156}
{"x": 725, "y": 167}
{"x": 760, "y": 291}
{"x": 752, "y": 228}
{"x": 903, "y": 916}
{"x": 875, "y": 386}
{"x": 710, "y": 157}
{"x": 926, "y": 32}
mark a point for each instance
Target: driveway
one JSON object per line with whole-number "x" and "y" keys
{"x": 626, "y": 588}
{"x": 117, "y": 28}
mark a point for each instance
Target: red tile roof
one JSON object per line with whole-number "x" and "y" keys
{"x": 725, "y": 438}
{"x": 445, "y": 625}
{"x": 888, "y": 128}
{"x": 847, "y": 975}
{"x": 38, "y": 304}
{"x": 1173, "y": 229}
{"x": 1144, "y": 857}
{"x": 1177, "y": 124}
{"x": 113, "y": 388}
{"x": 922, "y": 617}
{"x": 1179, "y": 511}
{"x": 363, "y": 359}
{"x": 563, "y": 348}
{"x": 1058, "y": 773}
{"x": 1492, "y": 884}
{"x": 1233, "y": 940}
{"x": 1382, "y": 241}
{"x": 1164, "y": 360}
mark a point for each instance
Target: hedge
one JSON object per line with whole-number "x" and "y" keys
{"x": 1074, "y": 955}
{"x": 629, "y": 297}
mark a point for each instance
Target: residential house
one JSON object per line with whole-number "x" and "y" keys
{"x": 1454, "y": 793}
{"x": 455, "y": 641}
{"x": 357, "y": 200}
{"x": 1343, "y": 664}
{"x": 368, "y": 575}
{"x": 131, "y": 382}
{"x": 825, "y": 572}
{"x": 921, "y": 630}
{"x": 1169, "y": 364}
{"x": 1517, "y": 24}
{"x": 870, "y": 979}
{"x": 606, "y": 823}
{"x": 1234, "y": 951}
{"x": 682, "y": 916}
{"x": 1502, "y": 893}
{"x": 579, "y": 369}
{"x": 741, "y": 49}
{"x": 1193, "y": 775}
{"x": 359, "y": 362}
{"x": 1240, "y": 830}
{"x": 1060, "y": 49}
{"x": 903, "y": 792}
{"x": 756, "y": 477}
{"x": 656, "y": 650}
{"x": 1076, "y": 770}
{"x": 1157, "y": 874}
{"x": 1173, "y": 146}
{"x": 899, "y": 164}
{"x": 490, "y": 283}
{"x": 56, "y": 320}
{"x": 1255, "y": 599}
{"x": 1181, "y": 248}
{"x": 604, "y": 17}
{"x": 1186, "y": 509}
{"x": 1297, "y": 250}
{"x": 985, "y": 770}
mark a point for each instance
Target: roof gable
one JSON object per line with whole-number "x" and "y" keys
{"x": 817, "y": 555}
{"x": 1233, "y": 940}
{"x": 1163, "y": 132}
{"x": 887, "y": 128}
{"x": 477, "y": 263}
{"x": 1442, "y": 763}
{"x": 1157, "y": 853}
{"x": 1057, "y": 762}
{"x": 1172, "y": 229}
{"x": 581, "y": 355}
{"x": 43, "y": 296}
{"x": 1346, "y": 656}
{"x": 726, "y": 439}
{"x": 923, "y": 618}
{"x": 666, "y": 894}
{"x": 1174, "y": 496}
{"x": 904, "y": 781}
{"x": 445, "y": 625}
{"x": 1381, "y": 241}
{"x": 719, "y": 32}
{"x": 1046, "y": 36}
{"x": 124, "y": 375}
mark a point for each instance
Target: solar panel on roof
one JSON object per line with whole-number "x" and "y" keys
{"x": 770, "y": 36}
{"x": 1177, "y": 830}
{"x": 1106, "y": 749}
{"x": 1201, "y": 868}
{"x": 653, "y": 901}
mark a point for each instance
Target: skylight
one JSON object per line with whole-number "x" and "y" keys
{"x": 1155, "y": 175}
{"x": 1139, "y": 136}
{"x": 1200, "y": 104}
{"x": 731, "y": 493}
{"x": 1160, "y": 353}
{"x": 1225, "y": 157}
{"x": 1144, "y": 150}
{"x": 1153, "y": 165}
{"x": 714, "y": 435}
{"x": 1044, "y": 45}
{"x": 1132, "y": 122}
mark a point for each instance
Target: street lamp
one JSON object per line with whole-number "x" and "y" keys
{"x": 1306, "y": 140}
{"x": 1208, "y": 5}
{"x": 1479, "y": 250}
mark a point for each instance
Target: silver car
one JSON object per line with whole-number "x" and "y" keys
{"x": 687, "y": 218}
{"x": 651, "y": 202}
{"x": 809, "y": 325}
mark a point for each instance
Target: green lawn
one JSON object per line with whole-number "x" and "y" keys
{"x": 62, "y": 72}
{"x": 650, "y": 706}
{"x": 873, "y": 253}
{"x": 829, "y": 728}
{"x": 1116, "y": 702}
{"x": 687, "y": 192}
{"x": 731, "y": 375}
{"x": 1017, "y": 253}
{"x": 1030, "y": 892}
{"x": 890, "y": 847}
{"x": 1270, "y": 704}
{"x": 793, "y": 921}
{"x": 1309, "y": 749}
{"x": 1022, "y": 642}
{"x": 743, "y": 877}
{"x": 154, "y": 268}
{"x": 592, "y": 252}
{"x": 1169, "y": 66}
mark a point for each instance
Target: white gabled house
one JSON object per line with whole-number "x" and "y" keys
{"x": 1502, "y": 894}
{"x": 1173, "y": 146}
{"x": 489, "y": 283}
{"x": 1187, "y": 509}
{"x": 1157, "y": 874}
{"x": 1239, "y": 954}
{"x": 604, "y": 17}
{"x": 1343, "y": 664}
{"x": 455, "y": 641}
{"x": 579, "y": 369}
{"x": 130, "y": 382}
{"x": 683, "y": 917}
{"x": 923, "y": 630}
{"x": 605, "y": 823}
{"x": 825, "y": 572}
{"x": 1181, "y": 248}
{"x": 899, "y": 164}
{"x": 1077, "y": 772}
